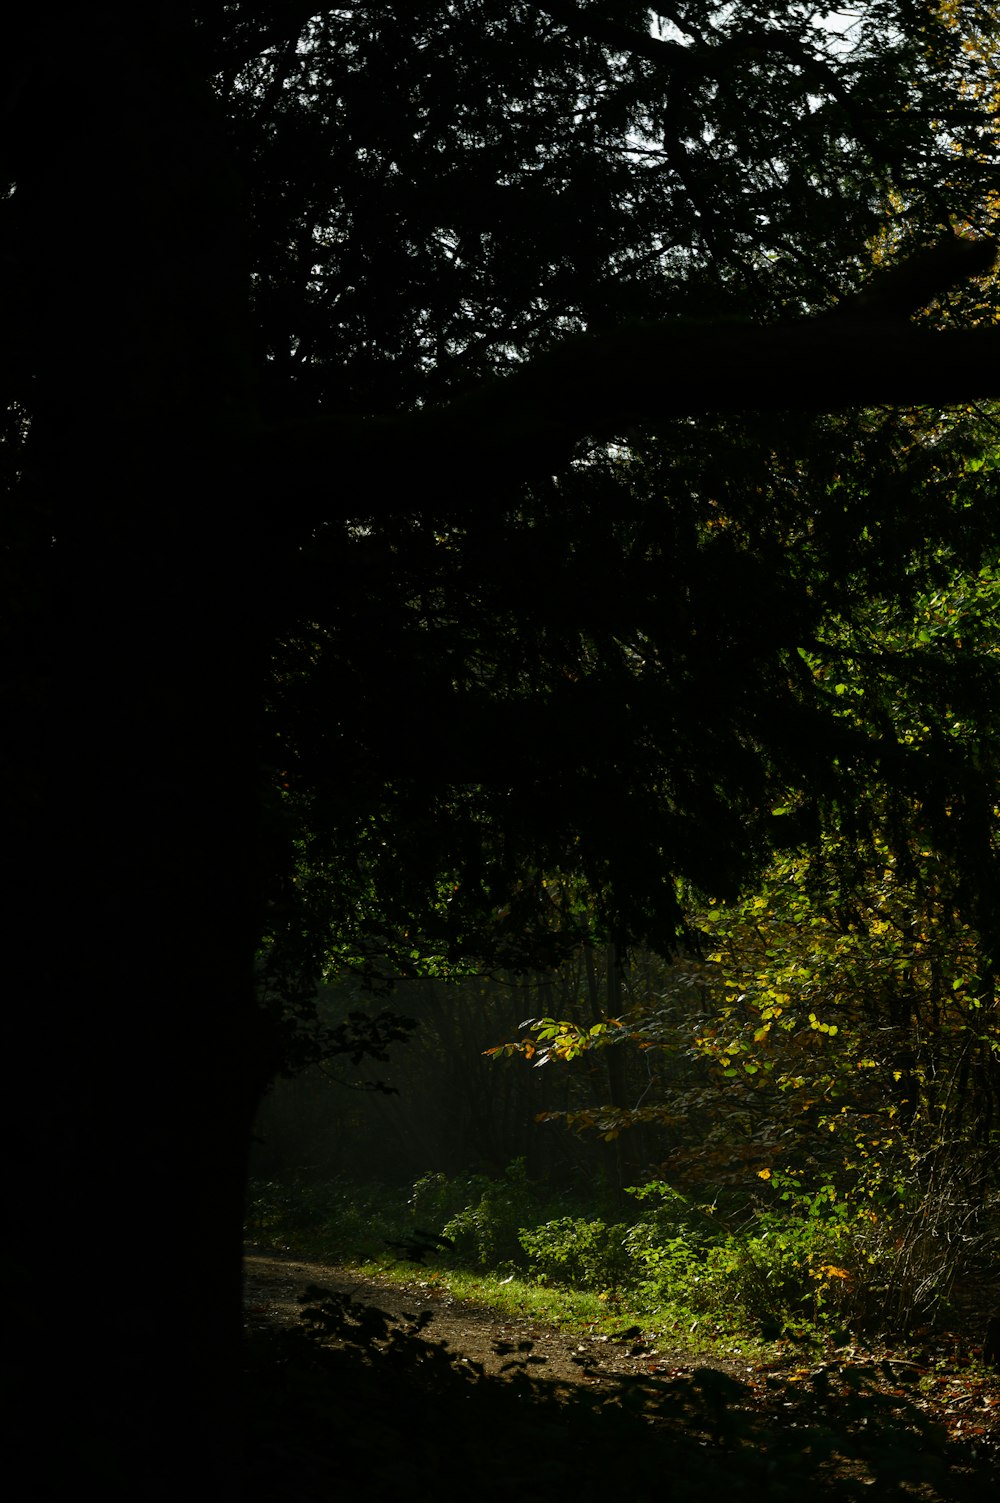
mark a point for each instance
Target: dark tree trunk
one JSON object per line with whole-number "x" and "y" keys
{"x": 132, "y": 705}
{"x": 622, "y": 1154}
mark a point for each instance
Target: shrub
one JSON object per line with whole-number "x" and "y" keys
{"x": 481, "y": 1216}
{"x": 575, "y": 1251}
{"x": 333, "y": 1219}
{"x": 774, "y": 1268}
{"x": 279, "y": 1210}
{"x": 435, "y": 1199}
{"x": 675, "y": 1271}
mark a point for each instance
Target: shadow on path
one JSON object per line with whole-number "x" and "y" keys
{"x": 353, "y": 1395}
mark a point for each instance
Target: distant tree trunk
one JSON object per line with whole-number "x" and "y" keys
{"x": 622, "y": 1156}
{"x": 133, "y": 685}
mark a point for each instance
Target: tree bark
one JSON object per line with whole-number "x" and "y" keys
{"x": 133, "y": 699}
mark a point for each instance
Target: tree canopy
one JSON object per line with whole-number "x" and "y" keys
{"x": 595, "y": 598}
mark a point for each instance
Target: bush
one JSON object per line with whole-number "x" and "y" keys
{"x": 672, "y": 1272}
{"x": 277, "y": 1210}
{"x": 334, "y": 1219}
{"x": 482, "y": 1217}
{"x": 572, "y": 1250}
{"x": 770, "y": 1268}
{"x": 435, "y": 1199}
{"x": 789, "y": 1272}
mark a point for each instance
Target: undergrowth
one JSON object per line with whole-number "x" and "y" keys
{"x": 795, "y": 1261}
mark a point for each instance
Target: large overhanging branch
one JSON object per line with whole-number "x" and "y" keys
{"x": 456, "y": 458}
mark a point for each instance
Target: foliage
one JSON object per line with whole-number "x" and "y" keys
{"x": 480, "y": 1216}
{"x": 330, "y": 1219}
{"x": 752, "y": 1269}
{"x": 486, "y": 1230}
{"x": 621, "y": 174}
{"x": 799, "y": 1266}
{"x": 586, "y": 1253}
{"x": 842, "y": 1015}
{"x": 881, "y": 1196}
{"x": 273, "y": 1207}
{"x": 661, "y": 592}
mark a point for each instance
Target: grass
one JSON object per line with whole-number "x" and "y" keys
{"x": 572, "y": 1310}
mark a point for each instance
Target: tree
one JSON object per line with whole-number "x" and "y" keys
{"x": 841, "y": 1019}
{"x": 279, "y": 284}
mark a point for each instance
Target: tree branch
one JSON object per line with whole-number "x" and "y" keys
{"x": 685, "y": 63}
{"x": 471, "y": 452}
{"x": 704, "y": 59}
{"x": 909, "y": 285}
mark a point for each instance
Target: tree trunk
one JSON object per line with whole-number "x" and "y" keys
{"x": 622, "y": 1153}
{"x": 133, "y": 688}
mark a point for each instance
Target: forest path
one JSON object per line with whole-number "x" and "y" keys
{"x": 843, "y": 1426}
{"x": 273, "y": 1284}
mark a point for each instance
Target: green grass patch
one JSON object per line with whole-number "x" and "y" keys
{"x": 515, "y": 1297}
{"x": 574, "y": 1310}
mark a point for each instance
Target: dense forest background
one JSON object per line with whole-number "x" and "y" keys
{"x": 494, "y": 490}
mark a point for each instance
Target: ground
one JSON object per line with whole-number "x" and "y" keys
{"x": 273, "y": 1285}
{"x": 443, "y": 1398}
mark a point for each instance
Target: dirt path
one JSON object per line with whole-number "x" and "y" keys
{"x": 273, "y": 1284}
{"x": 843, "y": 1426}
